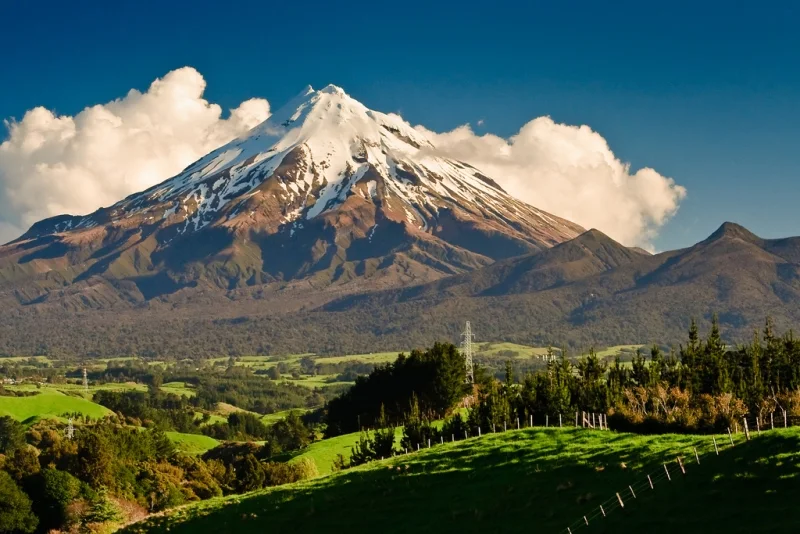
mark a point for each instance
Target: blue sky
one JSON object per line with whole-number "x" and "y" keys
{"x": 707, "y": 95}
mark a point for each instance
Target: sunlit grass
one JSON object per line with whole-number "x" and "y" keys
{"x": 531, "y": 480}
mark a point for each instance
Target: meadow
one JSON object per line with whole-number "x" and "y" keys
{"x": 540, "y": 479}
{"x": 49, "y": 403}
{"x": 192, "y": 443}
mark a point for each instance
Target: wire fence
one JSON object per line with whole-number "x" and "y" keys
{"x": 748, "y": 428}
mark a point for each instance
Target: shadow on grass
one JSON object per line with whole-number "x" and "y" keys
{"x": 528, "y": 481}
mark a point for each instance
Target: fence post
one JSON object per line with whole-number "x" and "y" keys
{"x": 632, "y": 493}
{"x": 785, "y": 421}
{"x": 696, "y": 456}
{"x": 669, "y": 478}
{"x": 746, "y": 429}
{"x": 758, "y": 425}
{"x": 442, "y": 439}
{"x": 429, "y": 443}
{"x": 493, "y": 429}
{"x": 586, "y": 521}
{"x": 601, "y": 509}
{"x": 593, "y": 422}
{"x": 730, "y": 436}
{"x": 479, "y": 431}
{"x": 621, "y": 504}
{"x": 452, "y": 438}
{"x": 505, "y": 426}
{"x": 650, "y": 480}
{"x": 576, "y": 419}
{"x": 466, "y": 434}
{"x": 715, "y": 445}
{"x": 559, "y": 420}
{"x": 771, "y": 421}
{"x": 680, "y": 463}
{"x": 546, "y": 421}
{"x": 517, "y": 423}
{"x": 417, "y": 447}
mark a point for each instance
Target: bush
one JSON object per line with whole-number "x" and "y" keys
{"x": 101, "y": 510}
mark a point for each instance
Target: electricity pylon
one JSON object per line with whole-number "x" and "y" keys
{"x": 466, "y": 350}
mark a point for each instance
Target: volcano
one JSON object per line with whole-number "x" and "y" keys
{"x": 326, "y": 193}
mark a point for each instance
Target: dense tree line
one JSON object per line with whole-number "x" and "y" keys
{"x": 704, "y": 386}
{"x": 436, "y": 377}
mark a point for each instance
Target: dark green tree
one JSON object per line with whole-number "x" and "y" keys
{"x": 250, "y": 474}
{"x": 52, "y": 491}
{"x": 15, "y": 508}
{"x": 102, "y": 508}
{"x": 12, "y": 435}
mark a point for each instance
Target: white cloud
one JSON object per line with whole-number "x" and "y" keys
{"x": 570, "y": 171}
{"x": 51, "y": 164}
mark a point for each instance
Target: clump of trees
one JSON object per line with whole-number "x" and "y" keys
{"x": 435, "y": 376}
{"x": 111, "y": 469}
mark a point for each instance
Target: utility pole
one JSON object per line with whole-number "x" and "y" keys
{"x": 466, "y": 350}
{"x": 85, "y": 380}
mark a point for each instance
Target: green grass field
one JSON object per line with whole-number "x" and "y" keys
{"x": 178, "y": 388}
{"x": 324, "y": 452}
{"x": 192, "y": 443}
{"x": 49, "y": 403}
{"x": 532, "y": 480}
{"x": 272, "y": 418}
{"x": 373, "y": 357}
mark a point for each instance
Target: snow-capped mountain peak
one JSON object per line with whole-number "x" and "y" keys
{"x": 325, "y": 168}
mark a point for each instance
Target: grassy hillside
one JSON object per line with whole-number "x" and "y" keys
{"x": 48, "y": 403}
{"x": 540, "y": 480}
{"x": 192, "y": 443}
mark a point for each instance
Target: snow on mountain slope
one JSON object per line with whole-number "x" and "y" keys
{"x": 324, "y": 177}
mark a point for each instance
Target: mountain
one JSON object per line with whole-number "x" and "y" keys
{"x": 333, "y": 228}
{"x": 594, "y": 291}
{"x": 325, "y": 192}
